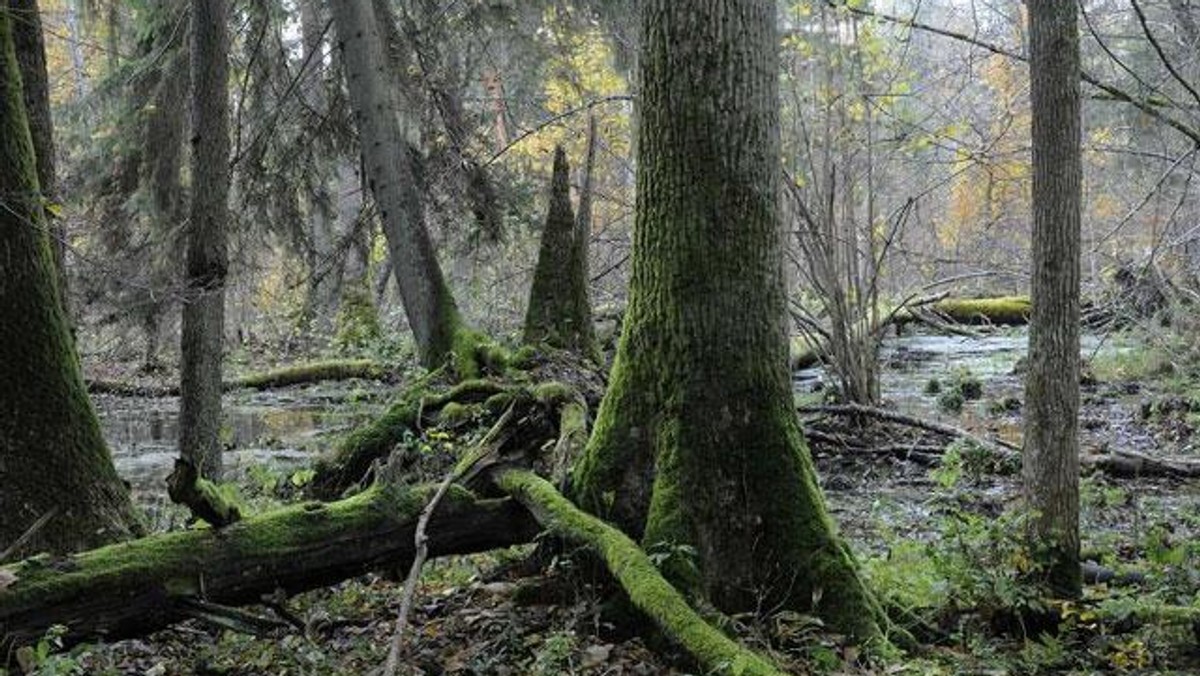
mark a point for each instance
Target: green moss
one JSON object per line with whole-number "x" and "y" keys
{"x": 646, "y": 587}
{"x": 473, "y": 354}
{"x": 349, "y": 462}
{"x": 1008, "y": 310}
{"x": 524, "y": 358}
{"x": 554, "y": 393}
{"x": 455, "y": 414}
{"x": 357, "y": 324}
{"x": 155, "y": 569}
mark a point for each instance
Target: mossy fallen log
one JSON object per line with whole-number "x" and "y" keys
{"x": 297, "y": 374}
{"x": 136, "y": 587}
{"x": 998, "y": 311}
{"x": 715, "y": 652}
{"x": 314, "y": 372}
{"x": 350, "y": 461}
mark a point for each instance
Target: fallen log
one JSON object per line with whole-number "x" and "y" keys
{"x": 997, "y": 447}
{"x": 648, "y": 591}
{"x": 1000, "y": 311}
{"x": 1132, "y": 465}
{"x": 298, "y": 374}
{"x": 136, "y": 587}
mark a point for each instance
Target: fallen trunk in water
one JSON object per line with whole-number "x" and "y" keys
{"x": 137, "y": 587}
{"x": 299, "y": 374}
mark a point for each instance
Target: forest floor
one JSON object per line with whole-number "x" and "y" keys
{"x": 934, "y": 530}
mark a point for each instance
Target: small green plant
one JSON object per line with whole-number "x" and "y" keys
{"x": 1004, "y": 406}
{"x": 950, "y": 401}
{"x": 553, "y": 656}
{"x": 967, "y": 384}
{"x": 933, "y": 387}
{"x": 43, "y": 659}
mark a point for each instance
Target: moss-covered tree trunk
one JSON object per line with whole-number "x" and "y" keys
{"x": 696, "y": 441}
{"x": 428, "y": 303}
{"x": 1050, "y": 467}
{"x": 52, "y": 456}
{"x": 558, "y": 312}
{"x": 31, "y": 57}
{"x": 202, "y": 335}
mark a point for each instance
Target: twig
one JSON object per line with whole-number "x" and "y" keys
{"x": 422, "y": 540}
{"x": 28, "y": 534}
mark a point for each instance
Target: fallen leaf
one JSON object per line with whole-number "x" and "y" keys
{"x": 594, "y": 656}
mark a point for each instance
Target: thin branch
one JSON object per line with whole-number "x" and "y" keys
{"x": 1115, "y": 92}
{"x": 1162, "y": 55}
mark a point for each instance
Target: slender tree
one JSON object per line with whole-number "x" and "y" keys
{"x": 558, "y": 312}
{"x": 432, "y": 313}
{"x": 1051, "y": 459}
{"x": 696, "y": 442}
{"x": 53, "y": 460}
{"x": 204, "y": 303}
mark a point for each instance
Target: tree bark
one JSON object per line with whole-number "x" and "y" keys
{"x": 558, "y": 312}
{"x": 204, "y": 303}
{"x": 137, "y": 587}
{"x": 31, "y": 58}
{"x": 428, "y": 303}
{"x": 1050, "y": 468}
{"x": 696, "y": 442}
{"x": 52, "y": 455}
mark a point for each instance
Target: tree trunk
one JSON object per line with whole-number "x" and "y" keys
{"x": 558, "y": 312}
{"x": 204, "y": 303}
{"x": 134, "y": 588}
{"x": 166, "y": 126}
{"x": 696, "y": 442}
{"x": 31, "y": 58}
{"x": 1050, "y": 468}
{"x": 428, "y": 304}
{"x": 52, "y": 456}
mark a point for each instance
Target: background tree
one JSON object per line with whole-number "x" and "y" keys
{"x": 1050, "y": 467}
{"x": 696, "y": 442}
{"x": 31, "y": 56}
{"x": 53, "y": 459}
{"x": 559, "y": 313}
{"x": 204, "y": 306}
{"x": 433, "y": 316}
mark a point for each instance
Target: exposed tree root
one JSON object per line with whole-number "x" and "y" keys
{"x": 136, "y": 587}
{"x": 649, "y": 592}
